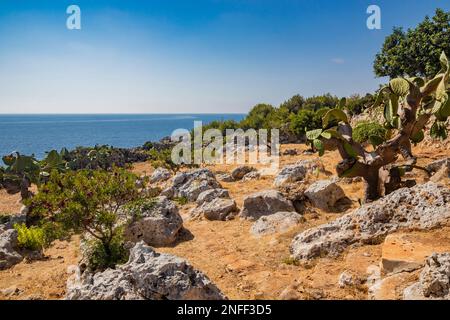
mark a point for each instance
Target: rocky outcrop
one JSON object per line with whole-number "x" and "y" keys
{"x": 264, "y": 203}
{"x": 217, "y": 209}
{"x": 422, "y": 207}
{"x": 297, "y": 172}
{"x": 276, "y": 223}
{"x": 434, "y": 280}
{"x": 254, "y": 175}
{"x": 210, "y": 195}
{"x": 157, "y": 224}
{"x": 160, "y": 174}
{"x": 190, "y": 184}
{"x": 289, "y": 174}
{"x": 147, "y": 275}
{"x": 324, "y": 194}
{"x": 9, "y": 251}
{"x": 240, "y": 172}
{"x": 435, "y": 166}
{"x": 225, "y": 177}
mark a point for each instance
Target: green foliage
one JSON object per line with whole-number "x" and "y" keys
{"x": 304, "y": 121}
{"x": 162, "y": 158}
{"x": 415, "y": 52}
{"x": 100, "y": 257}
{"x": 86, "y": 201}
{"x": 319, "y": 102}
{"x": 294, "y": 104}
{"x": 181, "y": 200}
{"x": 257, "y": 117}
{"x": 33, "y": 238}
{"x": 371, "y": 132}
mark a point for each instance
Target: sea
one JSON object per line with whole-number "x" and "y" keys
{"x": 36, "y": 134}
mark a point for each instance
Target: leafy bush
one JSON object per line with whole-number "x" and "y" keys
{"x": 371, "y": 132}
{"x": 89, "y": 202}
{"x": 32, "y": 238}
{"x": 257, "y": 117}
{"x": 304, "y": 121}
{"x": 99, "y": 257}
{"x": 181, "y": 200}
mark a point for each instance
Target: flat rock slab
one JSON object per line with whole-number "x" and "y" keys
{"x": 408, "y": 251}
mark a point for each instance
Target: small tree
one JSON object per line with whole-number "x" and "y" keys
{"x": 415, "y": 52}
{"x": 90, "y": 202}
{"x": 409, "y": 104}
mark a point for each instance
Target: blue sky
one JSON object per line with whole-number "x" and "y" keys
{"x": 204, "y": 56}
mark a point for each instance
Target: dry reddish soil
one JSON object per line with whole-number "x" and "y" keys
{"x": 242, "y": 266}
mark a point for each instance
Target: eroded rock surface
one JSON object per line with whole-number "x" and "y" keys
{"x": 276, "y": 223}
{"x": 422, "y": 207}
{"x": 157, "y": 224}
{"x": 147, "y": 275}
{"x": 264, "y": 203}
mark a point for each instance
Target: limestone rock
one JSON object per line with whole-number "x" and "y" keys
{"x": 191, "y": 184}
{"x": 254, "y": 175}
{"x": 324, "y": 194}
{"x": 264, "y": 203}
{"x": 157, "y": 225}
{"x": 240, "y": 172}
{"x": 346, "y": 279}
{"x": 434, "y": 280}
{"x": 422, "y": 207}
{"x": 276, "y": 223}
{"x": 405, "y": 252}
{"x": 289, "y": 174}
{"x": 437, "y": 165}
{"x": 225, "y": 177}
{"x": 217, "y": 209}
{"x": 160, "y": 174}
{"x": 9, "y": 254}
{"x": 147, "y": 275}
{"x": 209, "y": 195}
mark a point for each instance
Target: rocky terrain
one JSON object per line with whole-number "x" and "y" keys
{"x": 300, "y": 234}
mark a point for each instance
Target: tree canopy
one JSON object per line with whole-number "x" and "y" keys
{"x": 415, "y": 52}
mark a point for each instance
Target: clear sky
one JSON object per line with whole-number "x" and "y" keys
{"x": 203, "y": 56}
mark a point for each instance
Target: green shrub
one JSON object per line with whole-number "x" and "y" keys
{"x": 181, "y": 200}
{"x": 89, "y": 202}
{"x": 305, "y": 120}
{"x": 32, "y": 238}
{"x": 372, "y": 132}
{"x": 100, "y": 257}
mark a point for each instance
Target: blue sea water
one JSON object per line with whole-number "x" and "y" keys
{"x": 36, "y": 134}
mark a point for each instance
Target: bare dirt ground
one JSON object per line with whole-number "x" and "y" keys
{"x": 242, "y": 266}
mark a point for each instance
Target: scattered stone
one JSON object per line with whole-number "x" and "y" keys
{"x": 324, "y": 194}
{"x": 209, "y": 195}
{"x": 156, "y": 225}
{"x": 422, "y": 207}
{"x": 9, "y": 251}
{"x": 147, "y": 275}
{"x": 264, "y": 203}
{"x": 191, "y": 184}
{"x": 390, "y": 287}
{"x": 434, "y": 280}
{"x": 346, "y": 279}
{"x": 217, "y": 209}
{"x": 160, "y": 174}
{"x": 437, "y": 165}
{"x": 290, "y": 174}
{"x": 240, "y": 172}
{"x": 225, "y": 177}
{"x": 275, "y": 223}
{"x": 290, "y": 152}
{"x": 11, "y": 291}
{"x": 254, "y": 175}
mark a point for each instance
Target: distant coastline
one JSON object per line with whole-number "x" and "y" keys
{"x": 38, "y": 133}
